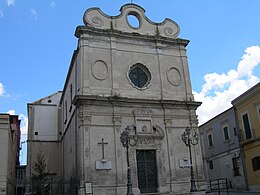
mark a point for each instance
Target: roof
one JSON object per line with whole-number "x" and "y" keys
{"x": 253, "y": 90}
{"x": 48, "y": 98}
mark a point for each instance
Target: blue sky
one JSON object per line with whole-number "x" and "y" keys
{"x": 37, "y": 41}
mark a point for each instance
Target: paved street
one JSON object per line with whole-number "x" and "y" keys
{"x": 219, "y": 193}
{"x": 233, "y": 193}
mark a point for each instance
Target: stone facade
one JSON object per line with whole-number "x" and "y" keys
{"x": 221, "y": 151}
{"x": 123, "y": 75}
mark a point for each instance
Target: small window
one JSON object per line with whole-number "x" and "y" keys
{"x": 139, "y": 76}
{"x": 258, "y": 112}
{"x": 70, "y": 97}
{"x": 65, "y": 112}
{"x": 246, "y": 126}
{"x": 235, "y": 131}
{"x": 256, "y": 163}
{"x": 210, "y": 140}
{"x": 236, "y": 166}
{"x": 211, "y": 164}
{"x": 35, "y": 133}
{"x": 225, "y": 133}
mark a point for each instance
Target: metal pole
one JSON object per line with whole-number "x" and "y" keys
{"x": 192, "y": 181}
{"x": 126, "y": 142}
{"x": 188, "y": 142}
{"x": 129, "y": 182}
{"x": 218, "y": 188}
{"x": 227, "y": 186}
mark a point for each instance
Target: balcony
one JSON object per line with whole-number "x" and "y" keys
{"x": 247, "y": 138}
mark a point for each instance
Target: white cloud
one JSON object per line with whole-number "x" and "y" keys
{"x": 220, "y": 89}
{"x": 34, "y": 14}
{"x": 10, "y": 2}
{"x": 1, "y": 13}
{"x": 1, "y": 89}
{"x": 24, "y": 122}
{"x": 11, "y": 112}
{"x": 52, "y": 4}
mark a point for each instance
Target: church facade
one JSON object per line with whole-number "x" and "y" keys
{"x": 121, "y": 75}
{"x": 131, "y": 77}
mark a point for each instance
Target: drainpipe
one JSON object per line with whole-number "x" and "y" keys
{"x": 241, "y": 150}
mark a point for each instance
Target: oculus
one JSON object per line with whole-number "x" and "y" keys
{"x": 174, "y": 76}
{"x": 133, "y": 20}
{"x": 139, "y": 76}
{"x": 100, "y": 70}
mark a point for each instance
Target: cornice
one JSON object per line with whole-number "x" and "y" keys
{"x": 123, "y": 101}
{"x": 82, "y": 30}
{"x": 246, "y": 95}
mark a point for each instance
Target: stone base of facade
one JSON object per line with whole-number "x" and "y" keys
{"x": 180, "y": 187}
{"x": 185, "y": 186}
{"x": 109, "y": 190}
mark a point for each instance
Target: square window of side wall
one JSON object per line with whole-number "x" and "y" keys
{"x": 256, "y": 163}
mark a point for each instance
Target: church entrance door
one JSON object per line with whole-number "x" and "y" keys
{"x": 146, "y": 170}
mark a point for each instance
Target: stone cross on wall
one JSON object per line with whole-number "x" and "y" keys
{"x": 103, "y": 148}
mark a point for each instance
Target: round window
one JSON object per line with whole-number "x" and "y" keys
{"x": 133, "y": 20}
{"x": 139, "y": 75}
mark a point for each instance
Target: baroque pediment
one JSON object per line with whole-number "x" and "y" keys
{"x": 95, "y": 18}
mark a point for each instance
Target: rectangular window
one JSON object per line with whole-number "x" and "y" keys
{"x": 211, "y": 164}
{"x": 258, "y": 112}
{"x": 235, "y": 131}
{"x": 70, "y": 97}
{"x": 246, "y": 126}
{"x": 19, "y": 175}
{"x": 226, "y": 133}
{"x": 236, "y": 166}
{"x": 256, "y": 163}
{"x": 65, "y": 112}
{"x": 210, "y": 140}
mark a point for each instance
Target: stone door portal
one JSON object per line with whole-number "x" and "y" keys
{"x": 146, "y": 170}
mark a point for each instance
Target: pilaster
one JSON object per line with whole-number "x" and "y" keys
{"x": 83, "y": 165}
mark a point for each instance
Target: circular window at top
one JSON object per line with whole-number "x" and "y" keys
{"x": 139, "y": 75}
{"x": 133, "y": 20}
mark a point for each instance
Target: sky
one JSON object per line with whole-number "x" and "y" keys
{"x": 37, "y": 42}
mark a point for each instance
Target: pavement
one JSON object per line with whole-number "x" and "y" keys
{"x": 233, "y": 193}
{"x": 220, "y": 193}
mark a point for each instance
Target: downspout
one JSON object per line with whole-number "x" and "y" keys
{"x": 241, "y": 150}
{"x": 188, "y": 108}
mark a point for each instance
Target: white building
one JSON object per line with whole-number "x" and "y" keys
{"x": 44, "y": 137}
{"x": 222, "y": 155}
